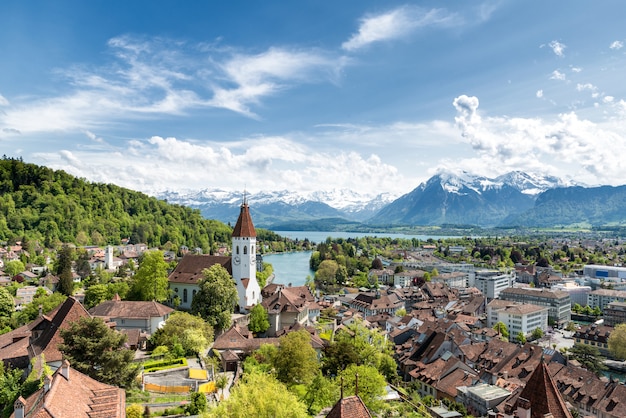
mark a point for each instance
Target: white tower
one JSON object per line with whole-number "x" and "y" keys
{"x": 244, "y": 260}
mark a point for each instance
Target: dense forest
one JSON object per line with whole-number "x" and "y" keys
{"x": 53, "y": 207}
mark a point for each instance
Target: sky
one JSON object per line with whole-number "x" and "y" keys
{"x": 309, "y": 95}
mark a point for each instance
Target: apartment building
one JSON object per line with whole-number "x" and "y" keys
{"x": 557, "y": 302}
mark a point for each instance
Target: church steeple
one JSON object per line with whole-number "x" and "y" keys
{"x": 243, "y": 260}
{"x": 244, "y": 226}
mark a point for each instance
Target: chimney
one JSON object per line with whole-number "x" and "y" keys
{"x": 47, "y": 382}
{"x": 18, "y": 407}
{"x": 65, "y": 369}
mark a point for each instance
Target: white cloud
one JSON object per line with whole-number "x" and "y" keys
{"x": 588, "y": 150}
{"x": 265, "y": 74}
{"x": 558, "y": 48}
{"x": 616, "y": 45}
{"x": 557, "y": 75}
{"x": 539, "y": 94}
{"x": 576, "y": 69}
{"x": 259, "y": 164}
{"x": 154, "y": 77}
{"x": 398, "y": 23}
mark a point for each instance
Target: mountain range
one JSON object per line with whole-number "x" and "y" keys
{"x": 515, "y": 199}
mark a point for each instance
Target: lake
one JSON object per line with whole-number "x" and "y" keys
{"x": 293, "y": 267}
{"x": 320, "y": 236}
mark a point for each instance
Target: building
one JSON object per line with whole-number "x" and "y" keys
{"x": 595, "y": 336}
{"x": 539, "y": 398}
{"x": 183, "y": 281}
{"x": 481, "y": 398}
{"x": 145, "y": 316}
{"x": 287, "y": 306}
{"x": 607, "y": 273}
{"x": 70, "y": 393}
{"x": 517, "y": 317}
{"x": 242, "y": 266}
{"x": 376, "y": 303}
{"x": 614, "y": 313}
{"x": 602, "y": 297}
{"x": 491, "y": 283}
{"x": 454, "y": 279}
{"x": 558, "y": 303}
{"x": 577, "y": 293}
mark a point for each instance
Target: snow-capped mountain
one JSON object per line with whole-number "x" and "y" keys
{"x": 466, "y": 199}
{"x": 276, "y": 207}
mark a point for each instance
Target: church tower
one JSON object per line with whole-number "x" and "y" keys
{"x": 244, "y": 259}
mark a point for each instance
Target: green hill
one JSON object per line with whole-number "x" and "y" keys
{"x": 53, "y": 207}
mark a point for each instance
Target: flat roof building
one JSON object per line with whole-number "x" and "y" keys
{"x": 558, "y": 302}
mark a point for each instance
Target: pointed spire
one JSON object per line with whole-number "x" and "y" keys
{"x": 244, "y": 226}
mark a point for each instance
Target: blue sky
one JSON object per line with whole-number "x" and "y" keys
{"x": 307, "y": 95}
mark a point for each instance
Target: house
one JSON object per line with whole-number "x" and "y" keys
{"x": 25, "y": 295}
{"x": 595, "y": 336}
{"x": 374, "y": 303}
{"x": 287, "y": 306}
{"x": 349, "y": 407}
{"x": 42, "y": 336}
{"x": 70, "y": 393}
{"x": 146, "y": 316}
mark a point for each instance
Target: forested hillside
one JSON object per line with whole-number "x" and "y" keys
{"x": 54, "y": 207}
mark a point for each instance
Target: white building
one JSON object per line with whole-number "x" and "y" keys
{"x": 578, "y": 294}
{"x": 491, "y": 283}
{"x": 517, "y": 317}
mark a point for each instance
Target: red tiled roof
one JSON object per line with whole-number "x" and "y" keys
{"x": 189, "y": 269}
{"x": 542, "y": 395}
{"x": 130, "y": 309}
{"x": 350, "y": 407}
{"x": 244, "y": 226}
{"x": 78, "y": 395}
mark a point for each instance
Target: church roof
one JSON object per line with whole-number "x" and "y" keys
{"x": 244, "y": 226}
{"x": 189, "y": 269}
{"x": 542, "y": 395}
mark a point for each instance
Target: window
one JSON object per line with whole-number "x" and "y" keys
{"x": 193, "y": 294}
{"x": 245, "y": 250}
{"x": 184, "y": 295}
{"x": 238, "y": 249}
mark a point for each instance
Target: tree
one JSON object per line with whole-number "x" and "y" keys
{"x": 150, "y": 282}
{"x": 99, "y": 351}
{"x": 501, "y": 328}
{"x": 14, "y": 267}
{"x": 96, "y": 294}
{"x": 362, "y": 346}
{"x": 537, "y": 333}
{"x": 221, "y": 382}
{"x": 10, "y": 387}
{"x": 197, "y": 404}
{"x": 320, "y": 393}
{"x": 617, "y": 342}
{"x": 521, "y": 338}
{"x": 64, "y": 271}
{"x": 192, "y": 332}
{"x": 588, "y": 356}
{"x": 249, "y": 398}
{"x": 7, "y": 304}
{"x": 259, "y": 319}
{"x": 296, "y": 360}
{"x": 371, "y": 384}
{"x": 216, "y": 299}
{"x": 326, "y": 274}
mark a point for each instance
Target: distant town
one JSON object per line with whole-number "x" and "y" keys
{"x": 459, "y": 327}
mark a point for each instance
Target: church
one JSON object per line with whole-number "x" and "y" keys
{"x": 183, "y": 281}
